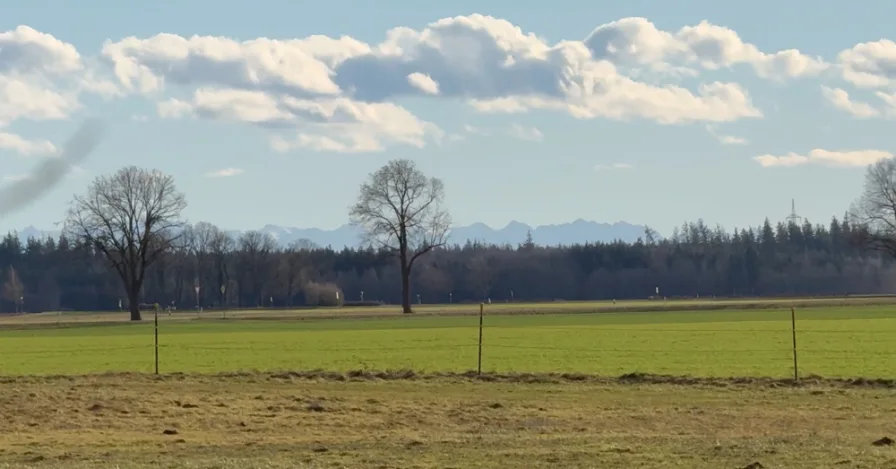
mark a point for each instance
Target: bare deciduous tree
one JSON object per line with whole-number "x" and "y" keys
{"x": 221, "y": 245}
{"x": 874, "y": 213}
{"x": 400, "y": 209}
{"x": 256, "y": 249}
{"x": 132, "y": 216}
{"x": 200, "y": 239}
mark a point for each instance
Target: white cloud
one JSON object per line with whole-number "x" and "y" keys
{"x": 26, "y": 147}
{"x": 338, "y": 94}
{"x": 424, "y": 83}
{"x": 293, "y": 66}
{"x": 732, "y": 140}
{"x": 41, "y": 76}
{"x": 614, "y": 166}
{"x": 842, "y": 159}
{"x": 174, "y": 108}
{"x": 500, "y": 68}
{"x": 24, "y": 99}
{"x": 840, "y": 99}
{"x": 637, "y": 41}
{"x": 869, "y": 64}
{"x": 223, "y": 173}
{"x": 726, "y": 139}
{"x": 525, "y": 133}
{"x": 489, "y": 62}
{"x": 25, "y": 50}
{"x": 323, "y": 124}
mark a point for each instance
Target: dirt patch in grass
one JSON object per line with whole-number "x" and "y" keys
{"x": 405, "y": 419}
{"x": 815, "y": 384}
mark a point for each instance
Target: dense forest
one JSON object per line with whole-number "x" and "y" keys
{"x": 769, "y": 260}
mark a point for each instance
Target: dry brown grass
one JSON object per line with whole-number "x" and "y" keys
{"x": 404, "y": 420}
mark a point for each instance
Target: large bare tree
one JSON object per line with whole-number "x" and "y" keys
{"x": 874, "y": 213}
{"x": 400, "y": 209}
{"x": 132, "y": 216}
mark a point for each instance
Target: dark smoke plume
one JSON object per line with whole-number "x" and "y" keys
{"x": 47, "y": 174}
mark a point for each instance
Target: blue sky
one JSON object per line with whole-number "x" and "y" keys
{"x": 645, "y": 122}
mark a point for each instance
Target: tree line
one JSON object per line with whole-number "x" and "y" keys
{"x": 125, "y": 245}
{"x": 770, "y": 260}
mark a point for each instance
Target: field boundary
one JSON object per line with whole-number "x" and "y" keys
{"x": 634, "y": 378}
{"x": 68, "y": 319}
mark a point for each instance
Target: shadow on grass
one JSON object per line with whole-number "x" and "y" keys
{"x": 486, "y": 377}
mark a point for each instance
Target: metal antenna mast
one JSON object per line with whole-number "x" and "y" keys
{"x": 793, "y": 217}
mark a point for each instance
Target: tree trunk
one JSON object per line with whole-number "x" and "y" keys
{"x": 405, "y": 289}
{"x": 405, "y": 272}
{"x": 134, "y": 304}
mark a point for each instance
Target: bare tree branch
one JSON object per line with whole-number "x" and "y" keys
{"x": 400, "y": 211}
{"x": 874, "y": 213}
{"x": 132, "y": 217}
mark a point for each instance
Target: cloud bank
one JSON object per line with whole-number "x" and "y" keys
{"x": 340, "y": 94}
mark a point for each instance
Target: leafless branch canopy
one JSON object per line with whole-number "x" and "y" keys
{"x": 399, "y": 208}
{"x": 131, "y": 216}
{"x": 874, "y": 213}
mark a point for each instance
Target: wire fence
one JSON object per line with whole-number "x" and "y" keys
{"x": 786, "y": 347}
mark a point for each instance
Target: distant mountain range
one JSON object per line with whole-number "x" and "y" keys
{"x": 579, "y": 231}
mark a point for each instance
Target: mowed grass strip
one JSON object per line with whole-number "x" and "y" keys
{"x": 836, "y": 342}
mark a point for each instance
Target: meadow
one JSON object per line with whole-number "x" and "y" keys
{"x": 563, "y": 385}
{"x": 833, "y": 340}
{"x": 280, "y": 421}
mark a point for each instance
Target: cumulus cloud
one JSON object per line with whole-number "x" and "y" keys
{"x": 840, "y": 99}
{"x": 614, "y": 166}
{"x": 424, "y": 83}
{"x": 338, "y": 124}
{"x": 869, "y": 64}
{"x": 41, "y": 78}
{"x": 339, "y": 93}
{"x": 23, "y": 99}
{"x": 530, "y": 134}
{"x": 223, "y": 173}
{"x": 637, "y": 41}
{"x": 25, "y": 50}
{"x": 841, "y": 159}
{"x": 25, "y": 147}
{"x": 291, "y": 66}
{"x": 486, "y": 61}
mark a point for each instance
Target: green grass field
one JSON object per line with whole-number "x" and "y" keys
{"x": 206, "y": 417}
{"x": 835, "y": 341}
